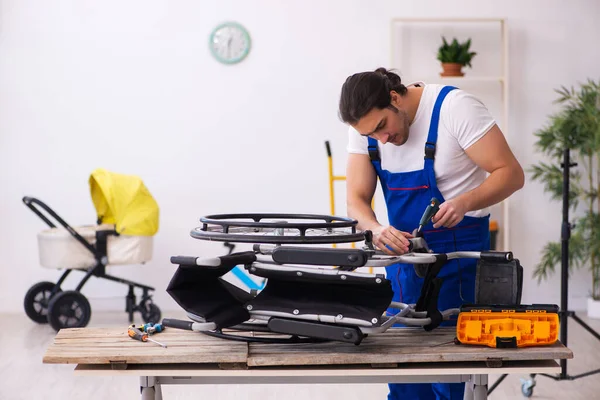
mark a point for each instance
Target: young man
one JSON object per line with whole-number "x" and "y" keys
{"x": 425, "y": 141}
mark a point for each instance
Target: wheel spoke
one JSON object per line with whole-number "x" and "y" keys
{"x": 37, "y": 300}
{"x": 40, "y": 307}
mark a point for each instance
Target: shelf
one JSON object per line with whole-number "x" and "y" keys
{"x": 470, "y": 78}
{"x": 451, "y": 20}
{"x": 474, "y": 79}
{"x": 414, "y": 45}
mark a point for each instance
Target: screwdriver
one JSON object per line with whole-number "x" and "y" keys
{"x": 151, "y": 328}
{"x": 136, "y": 334}
{"x": 432, "y": 208}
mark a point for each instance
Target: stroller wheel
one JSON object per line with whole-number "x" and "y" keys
{"x": 150, "y": 312}
{"x": 36, "y": 301}
{"x": 69, "y": 309}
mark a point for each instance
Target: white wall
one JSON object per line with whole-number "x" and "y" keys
{"x": 131, "y": 86}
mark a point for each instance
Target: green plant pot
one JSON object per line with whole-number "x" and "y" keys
{"x": 452, "y": 69}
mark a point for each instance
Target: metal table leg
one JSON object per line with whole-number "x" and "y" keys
{"x": 475, "y": 385}
{"x": 480, "y": 387}
{"x": 150, "y": 388}
{"x": 157, "y": 390}
{"x": 476, "y": 388}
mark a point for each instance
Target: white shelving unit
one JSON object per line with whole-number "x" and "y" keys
{"x": 414, "y": 46}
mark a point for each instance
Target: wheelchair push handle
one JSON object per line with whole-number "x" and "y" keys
{"x": 419, "y": 245}
{"x": 227, "y": 261}
{"x": 497, "y": 256}
{"x": 184, "y": 260}
{"x": 177, "y": 324}
{"x": 188, "y": 325}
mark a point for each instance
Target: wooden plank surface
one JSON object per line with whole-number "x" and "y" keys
{"x": 395, "y": 346}
{"x": 106, "y": 345}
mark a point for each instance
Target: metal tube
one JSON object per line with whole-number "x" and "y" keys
{"x": 565, "y": 236}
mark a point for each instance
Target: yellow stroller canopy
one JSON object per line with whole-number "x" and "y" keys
{"x": 124, "y": 200}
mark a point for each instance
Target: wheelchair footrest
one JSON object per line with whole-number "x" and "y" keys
{"x": 316, "y": 330}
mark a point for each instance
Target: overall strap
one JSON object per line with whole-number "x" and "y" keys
{"x": 433, "y": 126}
{"x": 373, "y": 151}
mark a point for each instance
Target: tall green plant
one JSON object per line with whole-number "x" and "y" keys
{"x": 575, "y": 126}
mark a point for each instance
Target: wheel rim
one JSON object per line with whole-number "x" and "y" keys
{"x": 70, "y": 312}
{"x": 151, "y": 313}
{"x": 40, "y": 302}
{"x": 38, "y": 299}
{"x": 278, "y": 228}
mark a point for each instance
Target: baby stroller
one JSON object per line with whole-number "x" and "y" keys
{"x": 127, "y": 221}
{"x": 314, "y": 293}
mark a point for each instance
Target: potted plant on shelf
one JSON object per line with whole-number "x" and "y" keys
{"x": 454, "y": 56}
{"x": 575, "y": 126}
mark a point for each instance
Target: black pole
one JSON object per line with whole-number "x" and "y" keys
{"x": 565, "y": 236}
{"x": 499, "y": 381}
{"x": 564, "y": 312}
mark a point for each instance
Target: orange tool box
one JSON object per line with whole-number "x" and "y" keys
{"x": 508, "y": 326}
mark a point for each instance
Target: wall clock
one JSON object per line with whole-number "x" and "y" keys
{"x": 229, "y": 43}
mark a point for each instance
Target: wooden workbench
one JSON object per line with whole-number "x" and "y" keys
{"x": 398, "y": 355}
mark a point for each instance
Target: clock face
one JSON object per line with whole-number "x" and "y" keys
{"x": 229, "y": 43}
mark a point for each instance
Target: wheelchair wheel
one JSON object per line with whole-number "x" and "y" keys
{"x": 36, "y": 301}
{"x": 69, "y": 309}
{"x": 278, "y": 229}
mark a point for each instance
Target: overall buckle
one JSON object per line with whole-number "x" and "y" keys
{"x": 374, "y": 154}
{"x": 430, "y": 151}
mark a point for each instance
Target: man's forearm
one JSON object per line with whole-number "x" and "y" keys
{"x": 499, "y": 185}
{"x": 363, "y": 213}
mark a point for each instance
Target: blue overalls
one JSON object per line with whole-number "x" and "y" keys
{"x": 407, "y": 194}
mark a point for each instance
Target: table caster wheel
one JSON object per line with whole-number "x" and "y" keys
{"x": 527, "y": 386}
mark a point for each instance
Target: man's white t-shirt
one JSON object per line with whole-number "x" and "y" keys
{"x": 464, "y": 119}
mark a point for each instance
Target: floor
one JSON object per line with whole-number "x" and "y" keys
{"x": 23, "y": 343}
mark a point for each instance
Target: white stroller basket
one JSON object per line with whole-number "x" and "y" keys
{"x": 59, "y": 249}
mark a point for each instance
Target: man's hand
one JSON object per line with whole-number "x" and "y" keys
{"x": 451, "y": 212}
{"x": 390, "y": 240}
